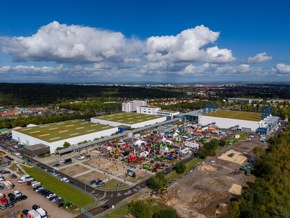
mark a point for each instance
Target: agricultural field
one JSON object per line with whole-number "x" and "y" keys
{"x": 63, "y": 130}
{"x": 128, "y": 118}
{"x": 240, "y": 115}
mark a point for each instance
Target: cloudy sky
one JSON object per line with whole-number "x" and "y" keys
{"x": 168, "y": 41}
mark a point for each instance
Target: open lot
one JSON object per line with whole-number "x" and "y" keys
{"x": 93, "y": 175}
{"x": 73, "y": 170}
{"x": 198, "y": 193}
{"x": 128, "y": 118}
{"x": 240, "y": 115}
{"x": 63, "y": 130}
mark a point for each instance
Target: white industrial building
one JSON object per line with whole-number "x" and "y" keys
{"x": 131, "y": 106}
{"x": 148, "y": 110}
{"x": 30, "y": 140}
{"x": 169, "y": 114}
{"x": 227, "y": 123}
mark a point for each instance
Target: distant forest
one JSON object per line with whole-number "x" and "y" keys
{"x": 45, "y": 94}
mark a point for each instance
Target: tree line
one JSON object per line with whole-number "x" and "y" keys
{"x": 269, "y": 195}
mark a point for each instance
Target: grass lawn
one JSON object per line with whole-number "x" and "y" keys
{"x": 67, "y": 192}
{"x": 112, "y": 185}
{"x": 15, "y": 168}
{"x": 128, "y": 118}
{"x": 240, "y": 115}
{"x": 174, "y": 175}
{"x": 243, "y": 136}
{"x": 123, "y": 211}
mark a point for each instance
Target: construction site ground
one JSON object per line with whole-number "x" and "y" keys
{"x": 215, "y": 181}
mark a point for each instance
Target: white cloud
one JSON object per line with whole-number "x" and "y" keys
{"x": 258, "y": 58}
{"x": 75, "y": 44}
{"x": 86, "y": 54}
{"x": 283, "y": 68}
{"x": 188, "y": 46}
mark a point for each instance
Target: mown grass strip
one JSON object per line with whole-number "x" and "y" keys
{"x": 67, "y": 192}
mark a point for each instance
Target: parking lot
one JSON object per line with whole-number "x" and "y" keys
{"x": 32, "y": 198}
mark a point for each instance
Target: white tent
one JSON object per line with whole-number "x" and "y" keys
{"x": 139, "y": 142}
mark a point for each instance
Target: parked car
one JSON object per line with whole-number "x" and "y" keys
{"x": 4, "y": 171}
{"x": 92, "y": 182}
{"x": 35, "y": 206}
{"x": 64, "y": 179}
{"x": 13, "y": 176}
{"x": 10, "y": 204}
{"x": 11, "y": 195}
{"x": 106, "y": 206}
{"x": 50, "y": 195}
{"x": 120, "y": 184}
{"x": 56, "y": 165}
{"x": 25, "y": 212}
{"x": 100, "y": 183}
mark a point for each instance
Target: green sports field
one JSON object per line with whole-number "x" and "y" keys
{"x": 240, "y": 115}
{"x": 128, "y": 118}
{"x": 63, "y": 130}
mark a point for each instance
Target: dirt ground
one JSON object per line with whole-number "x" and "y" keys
{"x": 73, "y": 170}
{"x": 86, "y": 178}
{"x": 116, "y": 168}
{"x": 236, "y": 158}
{"x": 33, "y": 198}
{"x": 198, "y": 193}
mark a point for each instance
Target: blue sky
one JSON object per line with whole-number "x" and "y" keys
{"x": 144, "y": 41}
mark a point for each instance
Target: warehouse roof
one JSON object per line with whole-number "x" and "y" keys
{"x": 128, "y": 118}
{"x": 63, "y": 130}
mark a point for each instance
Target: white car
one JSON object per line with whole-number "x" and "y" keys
{"x": 81, "y": 157}
{"x": 64, "y": 179}
{"x": 51, "y": 195}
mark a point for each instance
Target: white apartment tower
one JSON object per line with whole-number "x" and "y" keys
{"x": 132, "y": 105}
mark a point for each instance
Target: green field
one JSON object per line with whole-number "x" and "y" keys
{"x": 128, "y": 118}
{"x": 63, "y": 130}
{"x": 240, "y": 115}
{"x": 62, "y": 189}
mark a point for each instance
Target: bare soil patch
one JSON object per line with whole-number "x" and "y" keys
{"x": 75, "y": 169}
{"x": 233, "y": 156}
{"x": 86, "y": 178}
{"x": 236, "y": 189}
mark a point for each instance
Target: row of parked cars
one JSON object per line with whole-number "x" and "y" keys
{"x": 52, "y": 197}
{"x": 11, "y": 199}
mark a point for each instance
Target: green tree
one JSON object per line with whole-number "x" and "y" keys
{"x": 180, "y": 167}
{"x": 166, "y": 213}
{"x": 66, "y": 144}
{"x": 157, "y": 182}
{"x": 139, "y": 209}
{"x": 222, "y": 142}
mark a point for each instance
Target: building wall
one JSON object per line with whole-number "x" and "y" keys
{"x": 29, "y": 140}
{"x": 228, "y": 123}
{"x": 147, "y": 110}
{"x": 149, "y": 122}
